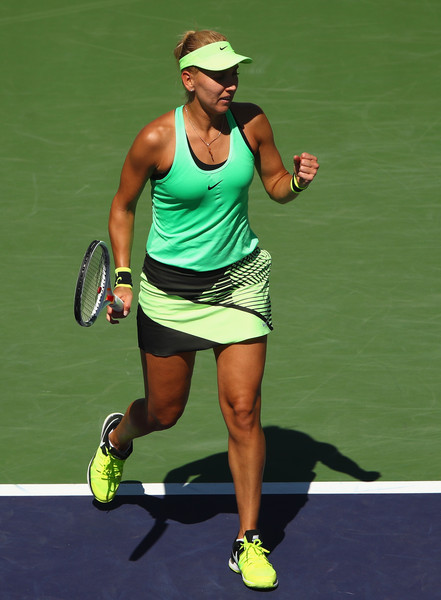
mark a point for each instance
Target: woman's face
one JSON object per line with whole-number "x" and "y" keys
{"x": 216, "y": 89}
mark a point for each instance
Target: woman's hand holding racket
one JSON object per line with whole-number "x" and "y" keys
{"x": 114, "y": 313}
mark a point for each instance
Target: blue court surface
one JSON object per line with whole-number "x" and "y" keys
{"x": 369, "y": 545}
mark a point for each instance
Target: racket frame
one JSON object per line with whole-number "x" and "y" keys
{"x": 105, "y": 296}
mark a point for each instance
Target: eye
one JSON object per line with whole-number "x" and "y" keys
{"x": 223, "y": 77}
{"x": 227, "y": 75}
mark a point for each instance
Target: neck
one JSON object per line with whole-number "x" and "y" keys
{"x": 204, "y": 121}
{"x": 203, "y": 134}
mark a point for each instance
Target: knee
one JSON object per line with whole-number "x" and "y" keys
{"x": 165, "y": 418}
{"x": 244, "y": 415}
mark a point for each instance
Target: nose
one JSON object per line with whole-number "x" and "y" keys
{"x": 231, "y": 79}
{"x": 231, "y": 84}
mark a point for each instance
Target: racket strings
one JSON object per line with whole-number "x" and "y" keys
{"x": 94, "y": 285}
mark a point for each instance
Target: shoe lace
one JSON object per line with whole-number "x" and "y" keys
{"x": 253, "y": 550}
{"x": 112, "y": 469}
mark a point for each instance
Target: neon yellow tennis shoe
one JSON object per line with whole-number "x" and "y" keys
{"x": 106, "y": 467}
{"x": 248, "y": 558}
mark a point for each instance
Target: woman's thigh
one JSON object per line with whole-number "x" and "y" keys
{"x": 240, "y": 370}
{"x": 167, "y": 382}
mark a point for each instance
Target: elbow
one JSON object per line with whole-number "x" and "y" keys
{"x": 279, "y": 198}
{"x": 283, "y": 200}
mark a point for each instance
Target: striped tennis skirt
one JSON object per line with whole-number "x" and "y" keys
{"x": 184, "y": 310}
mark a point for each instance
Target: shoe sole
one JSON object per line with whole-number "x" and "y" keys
{"x": 106, "y": 424}
{"x": 233, "y": 566}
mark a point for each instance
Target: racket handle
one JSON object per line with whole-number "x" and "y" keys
{"x": 114, "y": 302}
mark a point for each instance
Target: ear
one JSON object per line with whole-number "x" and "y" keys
{"x": 188, "y": 80}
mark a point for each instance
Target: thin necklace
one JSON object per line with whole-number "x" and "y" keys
{"x": 208, "y": 144}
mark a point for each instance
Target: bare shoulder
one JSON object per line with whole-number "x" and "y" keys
{"x": 154, "y": 145}
{"x": 158, "y": 133}
{"x": 253, "y": 122}
{"x": 245, "y": 112}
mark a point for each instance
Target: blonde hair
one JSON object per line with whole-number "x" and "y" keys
{"x": 192, "y": 40}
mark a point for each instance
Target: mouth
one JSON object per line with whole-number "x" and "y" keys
{"x": 226, "y": 99}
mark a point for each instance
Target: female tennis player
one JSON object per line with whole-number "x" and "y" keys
{"x": 205, "y": 279}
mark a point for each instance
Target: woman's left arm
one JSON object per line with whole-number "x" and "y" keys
{"x": 277, "y": 181}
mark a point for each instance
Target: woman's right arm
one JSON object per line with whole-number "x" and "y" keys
{"x": 142, "y": 159}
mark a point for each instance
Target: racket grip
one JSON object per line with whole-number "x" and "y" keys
{"x": 116, "y": 303}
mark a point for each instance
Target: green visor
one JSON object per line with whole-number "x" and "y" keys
{"x": 217, "y": 56}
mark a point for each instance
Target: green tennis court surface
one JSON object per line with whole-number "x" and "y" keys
{"x": 354, "y": 361}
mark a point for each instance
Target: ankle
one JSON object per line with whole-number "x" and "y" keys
{"x": 114, "y": 443}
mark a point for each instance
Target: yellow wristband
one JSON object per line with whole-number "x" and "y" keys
{"x": 296, "y": 188}
{"x": 123, "y": 277}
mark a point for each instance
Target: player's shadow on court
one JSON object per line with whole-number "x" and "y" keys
{"x": 291, "y": 457}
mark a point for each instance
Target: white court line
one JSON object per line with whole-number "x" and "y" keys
{"x": 176, "y": 489}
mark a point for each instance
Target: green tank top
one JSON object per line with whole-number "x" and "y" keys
{"x": 200, "y": 217}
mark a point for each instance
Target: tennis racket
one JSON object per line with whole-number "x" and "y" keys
{"x": 93, "y": 291}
